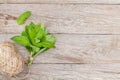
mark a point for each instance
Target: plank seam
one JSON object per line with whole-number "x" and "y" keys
{"x": 68, "y": 3}
{"x": 65, "y": 34}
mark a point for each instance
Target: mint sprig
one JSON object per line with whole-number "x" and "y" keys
{"x": 36, "y": 40}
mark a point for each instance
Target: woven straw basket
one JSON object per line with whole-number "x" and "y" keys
{"x": 11, "y": 62}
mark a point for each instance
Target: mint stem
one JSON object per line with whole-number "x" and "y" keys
{"x": 40, "y": 51}
{"x": 30, "y": 62}
{"x": 31, "y": 59}
{"x": 32, "y": 55}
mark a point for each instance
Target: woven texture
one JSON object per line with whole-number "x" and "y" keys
{"x": 11, "y": 62}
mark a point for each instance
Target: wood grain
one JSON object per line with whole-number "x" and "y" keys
{"x": 77, "y": 72}
{"x": 71, "y": 48}
{"x": 88, "y": 43}
{"x": 78, "y": 19}
{"x": 74, "y": 72}
{"x": 3, "y": 1}
{"x": 66, "y": 1}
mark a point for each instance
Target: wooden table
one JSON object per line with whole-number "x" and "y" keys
{"x": 88, "y": 37}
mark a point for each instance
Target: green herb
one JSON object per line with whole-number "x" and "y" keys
{"x": 21, "y": 19}
{"x": 36, "y": 40}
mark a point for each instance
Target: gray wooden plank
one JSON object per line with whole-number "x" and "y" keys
{"x": 78, "y": 72}
{"x": 66, "y": 1}
{"x": 3, "y": 1}
{"x": 79, "y": 19}
{"x": 71, "y": 48}
{"x": 74, "y": 72}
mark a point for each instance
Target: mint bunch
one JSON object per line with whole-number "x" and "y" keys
{"x": 36, "y": 40}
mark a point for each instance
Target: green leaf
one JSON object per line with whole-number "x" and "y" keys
{"x": 47, "y": 45}
{"x": 22, "y": 40}
{"x": 26, "y": 28}
{"x": 50, "y": 38}
{"x": 34, "y": 48}
{"x": 43, "y": 39}
{"x": 32, "y": 24}
{"x": 40, "y": 51}
{"x": 37, "y": 27}
{"x": 39, "y": 34}
{"x": 37, "y": 40}
{"x": 43, "y": 28}
{"x": 29, "y": 49}
{"x": 21, "y": 19}
{"x": 40, "y": 31}
{"x": 24, "y": 34}
{"x": 31, "y": 33}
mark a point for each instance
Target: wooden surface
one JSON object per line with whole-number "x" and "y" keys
{"x": 88, "y": 37}
{"x": 64, "y": 18}
{"x": 63, "y": 1}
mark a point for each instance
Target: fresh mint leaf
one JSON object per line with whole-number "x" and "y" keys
{"x": 50, "y": 38}
{"x": 39, "y": 34}
{"x": 43, "y": 28}
{"x": 26, "y": 29}
{"x": 32, "y": 24}
{"x": 34, "y": 48}
{"x": 41, "y": 51}
{"x": 21, "y": 19}
{"x": 31, "y": 33}
{"x": 37, "y": 40}
{"x": 47, "y": 45}
{"x": 24, "y": 33}
{"x": 22, "y": 40}
{"x": 29, "y": 49}
{"x": 37, "y": 27}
